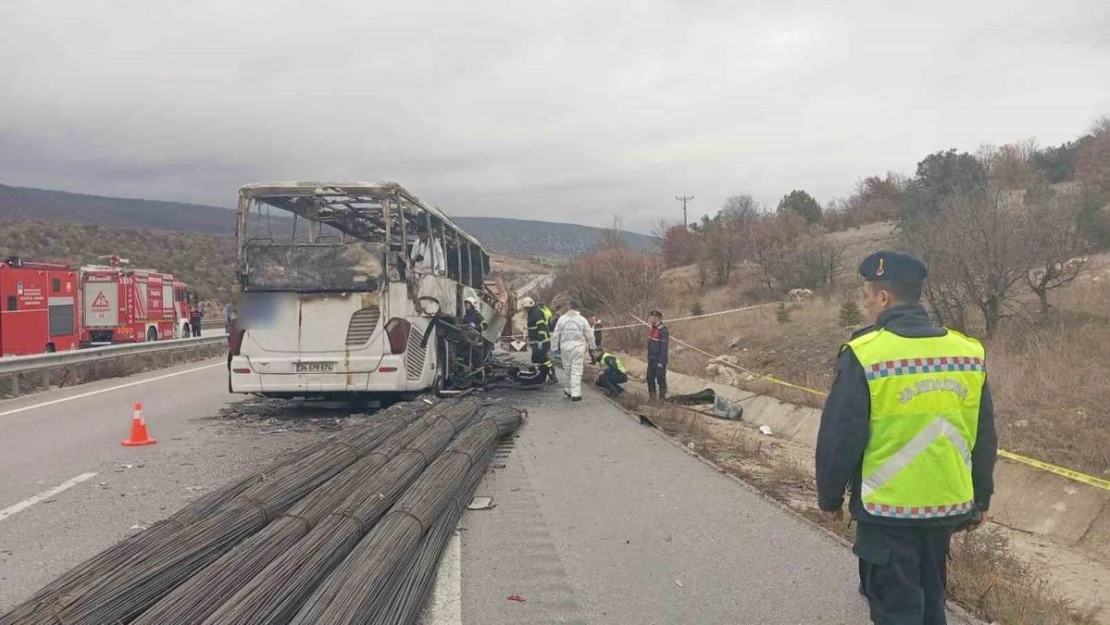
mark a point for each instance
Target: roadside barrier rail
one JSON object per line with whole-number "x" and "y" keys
{"x": 26, "y": 364}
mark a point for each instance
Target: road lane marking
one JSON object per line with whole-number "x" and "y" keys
{"x": 446, "y": 603}
{"x": 110, "y": 389}
{"x": 46, "y": 494}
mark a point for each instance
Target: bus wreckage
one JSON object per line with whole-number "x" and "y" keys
{"x": 361, "y": 293}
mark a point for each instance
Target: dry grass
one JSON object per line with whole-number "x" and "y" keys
{"x": 984, "y": 575}
{"x": 1051, "y": 382}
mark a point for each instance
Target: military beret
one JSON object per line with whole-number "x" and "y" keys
{"x": 892, "y": 267}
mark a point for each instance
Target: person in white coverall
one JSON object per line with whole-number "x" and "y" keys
{"x": 572, "y": 338}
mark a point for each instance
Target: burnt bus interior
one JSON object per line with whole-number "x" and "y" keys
{"x": 345, "y": 238}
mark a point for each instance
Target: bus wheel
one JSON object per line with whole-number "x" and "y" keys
{"x": 50, "y": 349}
{"x": 151, "y": 335}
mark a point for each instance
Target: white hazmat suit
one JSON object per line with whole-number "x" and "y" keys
{"x": 572, "y": 337}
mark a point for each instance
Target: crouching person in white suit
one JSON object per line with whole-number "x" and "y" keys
{"x": 572, "y": 337}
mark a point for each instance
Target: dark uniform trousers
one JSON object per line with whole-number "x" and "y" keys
{"x": 903, "y": 572}
{"x": 657, "y": 379}
{"x": 611, "y": 380}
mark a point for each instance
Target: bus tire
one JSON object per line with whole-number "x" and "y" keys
{"x": 151, "y": 334}
{"x": 50, "y": 349}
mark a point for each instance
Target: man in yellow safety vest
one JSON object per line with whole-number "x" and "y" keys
{"x": 909, "y": 426}
{"x": 613, "y": 373}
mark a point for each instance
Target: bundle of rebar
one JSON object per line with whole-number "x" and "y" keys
{"x": 351, "y": 591}
{"x": 410, "y": 586}
{"x": 147, "y": 576}
{"x": 276, "y": 594}
{"x": 197, "y": 598}
{"x": 103, "y": 562}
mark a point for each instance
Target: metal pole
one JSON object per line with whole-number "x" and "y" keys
{"x": 684, "y": 199}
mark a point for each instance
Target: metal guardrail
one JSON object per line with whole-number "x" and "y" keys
{"x": 26, "y": 364}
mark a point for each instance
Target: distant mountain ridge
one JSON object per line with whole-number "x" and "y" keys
{"x": 508, "y": 236}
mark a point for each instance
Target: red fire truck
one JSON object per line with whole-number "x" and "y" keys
{"x": 124, "y": 305}
{"x": 38, "y": 308}
{"x": 47, "y": 307}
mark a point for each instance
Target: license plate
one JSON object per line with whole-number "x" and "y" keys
{"x": 315, "y": 367}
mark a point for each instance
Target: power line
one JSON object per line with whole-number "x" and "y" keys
{"x": 684, "y": 199}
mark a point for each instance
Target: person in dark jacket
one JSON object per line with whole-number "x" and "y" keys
{"x": 909, "y": 427}
{"x": 595, "y": 322}
{"x": 474, "y": 323}
{"x": 538, "y": 323}
{"x": 613, "y": 373}
{"x": 659, "y": 340}
{"x": 473, "y": 318}
{"x": 195, "y": 316}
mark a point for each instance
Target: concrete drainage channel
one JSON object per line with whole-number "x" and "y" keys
{"x": 22, "y": 375}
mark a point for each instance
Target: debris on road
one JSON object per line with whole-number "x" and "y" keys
{"x": 517, "y": 598}
{"x": 481, "y": 503}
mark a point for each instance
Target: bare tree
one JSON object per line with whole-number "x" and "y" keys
{"x": 611, "y": 237}
{"x": 987, "y": 244}
{"x": 726, "y": 239}
{"x": 1057, "y": 244}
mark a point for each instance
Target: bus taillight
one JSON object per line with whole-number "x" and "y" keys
{"x": 398, "y": 332}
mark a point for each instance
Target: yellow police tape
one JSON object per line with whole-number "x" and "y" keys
{"x": 1082, "y": 478}
{"x": 1051, "y": 468}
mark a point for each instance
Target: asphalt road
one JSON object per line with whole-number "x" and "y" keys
{"x": 597, "y": 519}
{"x": 47, "y": 445}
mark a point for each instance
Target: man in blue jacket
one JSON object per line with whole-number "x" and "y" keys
{"x": 659, "y": 340}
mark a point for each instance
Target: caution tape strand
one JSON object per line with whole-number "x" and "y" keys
{"x": 1082, "y": 478}
{"x": 629, "y": 326}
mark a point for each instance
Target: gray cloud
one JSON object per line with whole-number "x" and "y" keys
{"x": 565, "y": 111}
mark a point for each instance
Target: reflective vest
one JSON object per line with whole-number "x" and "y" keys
{"x": 925, "y": 396}
{"x": 541, "y": 335}
{"x": 616, "y": 362}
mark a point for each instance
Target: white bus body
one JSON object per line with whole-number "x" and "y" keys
{"x": 340, "y": 316}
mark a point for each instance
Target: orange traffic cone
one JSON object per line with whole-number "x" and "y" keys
{"x": 138, "y": 429}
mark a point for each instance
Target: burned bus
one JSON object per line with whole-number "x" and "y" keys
{"x": 346, "y": 289}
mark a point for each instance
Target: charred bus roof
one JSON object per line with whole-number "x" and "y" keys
{"x": 361, "y": 209}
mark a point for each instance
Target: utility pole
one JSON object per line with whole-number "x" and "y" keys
{"x": 684, "y": 199}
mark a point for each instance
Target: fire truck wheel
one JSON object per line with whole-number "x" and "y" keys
{"x": 151, "y": 335}
{"x": 50, "y": 349}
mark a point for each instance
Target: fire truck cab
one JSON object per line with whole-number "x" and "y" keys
{"x": 125, "y": 305}
{"x": 38, "y": 308}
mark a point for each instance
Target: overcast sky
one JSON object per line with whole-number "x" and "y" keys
{"x": 565, "y": 111}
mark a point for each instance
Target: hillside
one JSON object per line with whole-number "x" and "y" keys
{"x": 541, "y": 238}
{"x": 508, "y": 236}
{"x": 204, "y": 261}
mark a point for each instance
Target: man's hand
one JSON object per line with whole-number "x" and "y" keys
{"x": 978, "y": 522}
{"x": 834, "y": 516}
